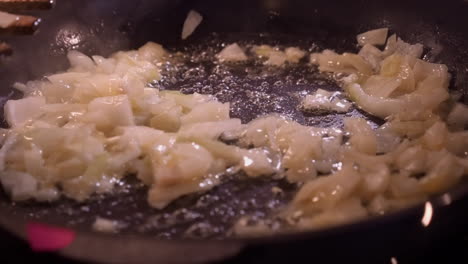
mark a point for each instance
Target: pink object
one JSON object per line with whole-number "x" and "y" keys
{"x": 43, "y": 237}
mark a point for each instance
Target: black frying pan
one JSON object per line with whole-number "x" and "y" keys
{"x": 102, "y": 27}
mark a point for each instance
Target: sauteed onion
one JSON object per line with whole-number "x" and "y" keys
{"x": 79, "y": 132}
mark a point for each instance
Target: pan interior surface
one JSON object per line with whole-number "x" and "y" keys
{"x": 253, "y": 90}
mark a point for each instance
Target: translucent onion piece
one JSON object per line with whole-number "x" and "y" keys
{"x": 322, "y": 100}
{"x": 294, "y": 55}
{"x": 191, "y": 23}
{"x": 232, "y": 52}
{"x": 373, "y": 37}
{"x": 19, "y": 111}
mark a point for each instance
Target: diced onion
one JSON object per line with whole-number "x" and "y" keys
{"x": 232, "y": 52}
{"x": 192, "y": 21}
{"x": 373, "y": 37}
{"x": 19, "y": 111}
{"x": 322, "y": 100}
{"x": 294, "y": 55}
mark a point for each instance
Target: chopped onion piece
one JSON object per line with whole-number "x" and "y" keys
{"x": 387, "y": 140}
{"x": 381, "y": 86}
{"x": 444, "y": 175}
{"x": 208, "y": 130}
{"x": 263, "y": 50}
{"x": 362, "y": 138}
{"x": 423, "y": 70}
{"x": 80, "y": 62}
{"x": 152, "y": 52}
{"x": 373, "y": 37}
{"x": 191, "y": 23}
{"x": 294, "y": 55}
{"x": 209, "y": 111}
{"x": 19, "y": 111}
{"x": 109, "y": 112}
{"x": 378, "y": 106}
{"x": 275, "y": 57}
{"x": 436, "y": 136}
{"x": 322, "y": 100}
{"x": 324, "y": 193}
{"x": 106, "y": 225}
{"x": 20, "y": 186}
{"x": 346, "y": 211}
{"x": 232, "y": 52}
{"x": 429, "y": 94}
{"x": 255, "y": 162}
{"x": 330, "y": 61}
{"x": 371, "y": 55}
{"x": 397, "y": 46}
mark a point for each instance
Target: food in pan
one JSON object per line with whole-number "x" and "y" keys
{"x": 80, "y": 132}
{"x": 191, "y": 23}
{"x": 326, "y": 101}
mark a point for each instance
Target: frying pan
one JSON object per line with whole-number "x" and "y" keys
{"x": 102, "y": 27}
